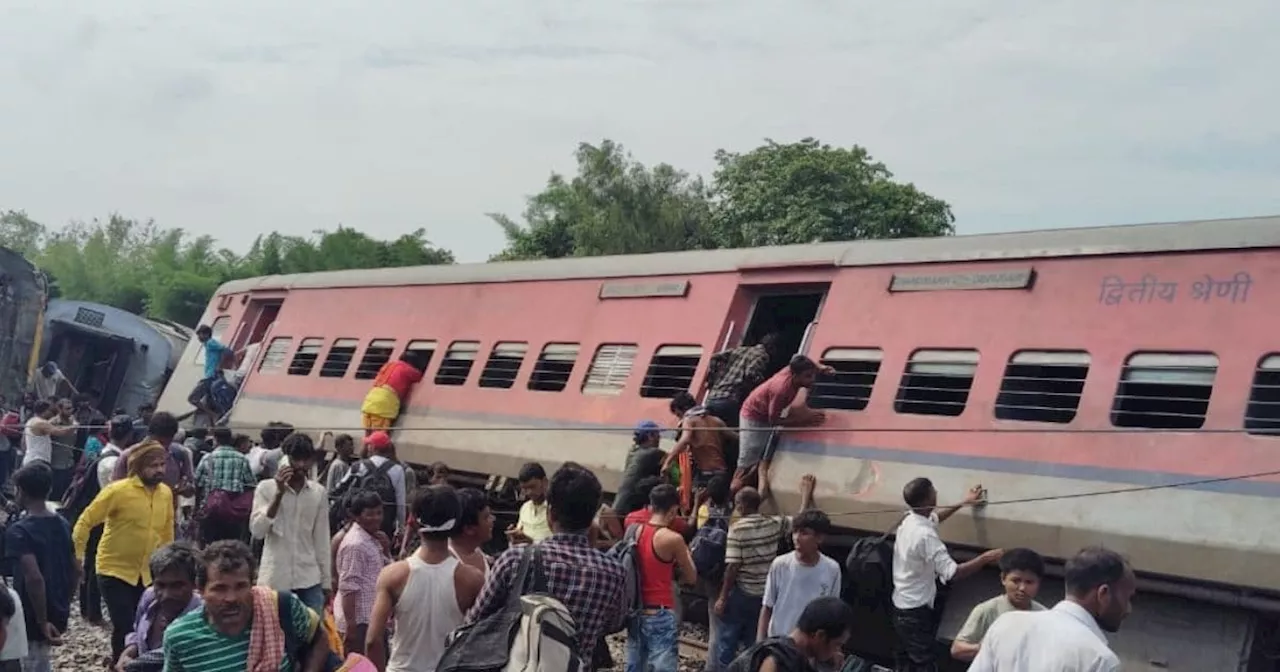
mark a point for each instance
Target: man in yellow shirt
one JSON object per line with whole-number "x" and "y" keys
{"x": 137, "y": 515}
{"x": 532, "y": 526}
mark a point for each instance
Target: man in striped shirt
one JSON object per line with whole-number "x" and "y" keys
{"x": 216, "y": 637}
{"x": 750, "y": 548}
{"x": 360, "y": 559}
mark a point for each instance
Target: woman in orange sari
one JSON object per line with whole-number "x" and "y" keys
{"x": 390, "y": 390}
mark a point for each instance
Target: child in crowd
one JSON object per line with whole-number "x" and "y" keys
{"x": 798, "y": 578}
{"x": 1021, "y": 570}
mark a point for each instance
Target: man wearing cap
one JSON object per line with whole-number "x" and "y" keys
{"x": 366, "y": 472}
{"x": 644, "y": 460}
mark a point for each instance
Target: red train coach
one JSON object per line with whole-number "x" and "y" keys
{"x": 1046, "y": 364}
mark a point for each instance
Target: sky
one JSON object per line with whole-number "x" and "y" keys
{"x": 234, "y": 118}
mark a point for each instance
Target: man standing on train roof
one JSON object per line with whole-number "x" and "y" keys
{"x": 1070, "y": 637}
{"x": 390, "y": 390}
{"x": 920, "y": 561}
{"x": 733, "y": 374}
{"x": 769, "y": 406}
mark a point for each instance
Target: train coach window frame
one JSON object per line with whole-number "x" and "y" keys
{"x": 219, "y": 327}
{"x": 554, "y": 368}
{"x": 503, "y": 365}
{"x": 671, "y": 371}
{"x": 459, "y": 359}
{"x": 1043, "y": 386}
{"x": 1262, "y": 413}
{"x": 276, "y": 354}
{"x": 1164, "y": 390}
{"x": 305, "y": 357}
{"x": 937, "y": 381}
{"x": 610, "y": 368}
{"x": 338, "y": 360}
{"x": 427, "y": 345}
{"x": 850, "y": 388}
{"x": 376, "y": 354}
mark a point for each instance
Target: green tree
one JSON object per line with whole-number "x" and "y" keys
{"x": 614, "y": 205}
{"x": 805, "y": 192}
{"x": 145, "y": 269}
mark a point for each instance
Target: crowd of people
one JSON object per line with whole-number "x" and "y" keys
{"x": 212, "y": 552}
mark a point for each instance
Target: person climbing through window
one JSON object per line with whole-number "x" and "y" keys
{"x": 391, "y": 387}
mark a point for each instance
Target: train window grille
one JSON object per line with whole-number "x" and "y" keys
{"x": 554, "y": 367}
{"x": 503, "y": 365}
{"x": 1262, "y": 415}
{"x": 1164, "y": 390}
{"x": 937, "y": 382}
{"x": 458, "y": 360}
{"x": 339, "y": 358}
{"x": 610, "y": 369}
{"x": 304, "y": 360}
{"x": 276, "y": 355}
{"x": 671, "y": 371}
{"x": 89, "y": 317}
{"x": 426, "y": 347}
{"x": 1042, "y": 386}
{"x": 219, "y": 327}
{"x": 375, "y": 356}
{"x": 849, "y": 389}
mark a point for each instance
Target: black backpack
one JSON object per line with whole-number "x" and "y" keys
{"x": 868, "y": 571}
{"x": 365, "y": 476}
{"x": 83, "y": 489}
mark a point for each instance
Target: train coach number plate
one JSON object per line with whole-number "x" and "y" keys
{"x": 635, "y": 290}
{"x": 936, "y": 282}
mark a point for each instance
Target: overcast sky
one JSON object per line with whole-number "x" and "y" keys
{"x": 232, "y": 118}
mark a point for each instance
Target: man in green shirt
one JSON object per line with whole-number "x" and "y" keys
{"x": 216, "y": 637}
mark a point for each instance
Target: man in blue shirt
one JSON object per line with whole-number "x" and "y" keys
{"x": 204, "y": 397}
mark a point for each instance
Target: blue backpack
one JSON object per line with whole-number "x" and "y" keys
{"x": 707, "y": 547}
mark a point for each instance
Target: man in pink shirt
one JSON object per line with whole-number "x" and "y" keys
{"x": 767, "y": 407}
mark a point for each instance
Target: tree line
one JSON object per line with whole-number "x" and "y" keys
{"x": 776, "y": 194}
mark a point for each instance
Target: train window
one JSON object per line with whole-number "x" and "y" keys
{"x": 339, "y": 358}
{"x": 671, "y": 371}
{"x": 554, "y": 366}
{"x": 304, "y": 360}
{"x": 1042, "y": 386}
{"x": 1164, "y": 390}
{"x": 377, "y": 354}
{"x": 274, "y": 358}
{"x": 610, "y": 369}
{"x": 219, "y": 328}
{"x": 850, "y": 388}
{"x": 1262, "y": 415}
{"x": 424, "y": 349}
{"x": 937, "y": 382}
{"x": 457, "y": 363}
{"x": 503, "y": 365}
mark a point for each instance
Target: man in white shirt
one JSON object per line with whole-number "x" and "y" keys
{"x": 1069, "y": 637}
{"x": 291, "y": 515}
{"x": 46, "y": 382}
{"x": 920, "y": 561}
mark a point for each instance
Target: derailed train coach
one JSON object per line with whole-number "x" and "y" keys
{"x": 23, "y": 296}
{"x": 1120, "y": 384}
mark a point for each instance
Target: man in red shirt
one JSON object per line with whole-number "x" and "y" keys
{"x": 770, "y": 405}
{"x": 390, "y": 390}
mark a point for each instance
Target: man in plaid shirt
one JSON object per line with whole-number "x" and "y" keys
{"x": 584, "y": 579}
{"x": 733, "y": 374}
{"x": 226, "y": 469}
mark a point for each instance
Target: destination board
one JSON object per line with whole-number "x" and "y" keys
{"x": 636, "y": 290}
{"x": 937, "y": 282}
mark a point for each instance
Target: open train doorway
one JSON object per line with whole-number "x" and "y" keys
{"x": 787, "y": 313}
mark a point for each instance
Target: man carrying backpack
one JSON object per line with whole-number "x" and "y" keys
{"x": 659, "y": 552}
{"x": 381, "y": 473}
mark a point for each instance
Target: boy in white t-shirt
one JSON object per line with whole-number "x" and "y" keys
{"x": 1021, "y": 570}
{"x": 13, "y": 631}
{"x": 797, "y": 578}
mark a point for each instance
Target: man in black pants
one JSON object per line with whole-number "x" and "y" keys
{"x": 920, "y": 561}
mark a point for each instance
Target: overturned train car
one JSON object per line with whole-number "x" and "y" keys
{"x": 23, "y": 296}
{"x": 1121, "y": 384}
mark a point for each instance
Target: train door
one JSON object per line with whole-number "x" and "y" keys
{"x": 788, "y": 311}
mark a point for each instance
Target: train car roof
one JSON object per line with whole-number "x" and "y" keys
{"x": 1219, "y": 234}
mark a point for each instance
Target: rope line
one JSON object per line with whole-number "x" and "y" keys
{"x": 613, "y": 429}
